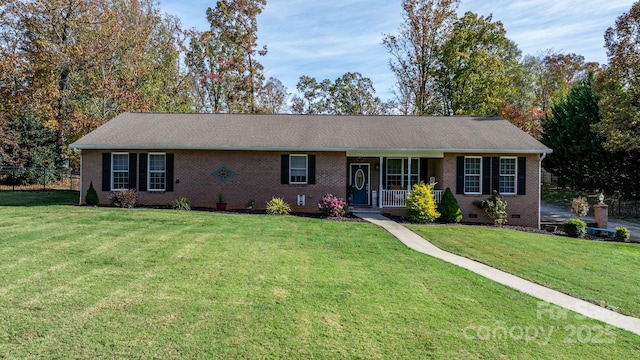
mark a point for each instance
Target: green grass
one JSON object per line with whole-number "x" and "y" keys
{"x": 604, "y": 273}
{"x": 82, "y": 282}
{"x": 39, "y": 198}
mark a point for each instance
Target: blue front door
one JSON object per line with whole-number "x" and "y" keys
{"x": 360, "y": 184}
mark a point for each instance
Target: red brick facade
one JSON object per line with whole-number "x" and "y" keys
{"x": 522, "y": 210}
{"x": 257, "y": 177}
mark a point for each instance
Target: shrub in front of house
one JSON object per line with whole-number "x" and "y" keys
{"x": 332, "y": 206}
{"x": 421, "y": 204}
{"x": 622, "y": 234}
{"x": 277, "y": 206}
{"x": 575, "y": 228}
{"x": 449, "y": 208}
{"x": 92, "y": 196}
{"x": 124, "y": 198}
{"x": 495, "y": 207}
{"x": 182, "y": 203}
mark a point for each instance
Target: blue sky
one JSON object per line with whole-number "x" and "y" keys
{"x": 328, "y": 38}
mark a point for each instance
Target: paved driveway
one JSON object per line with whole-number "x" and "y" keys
{"x": 550, "y": 212}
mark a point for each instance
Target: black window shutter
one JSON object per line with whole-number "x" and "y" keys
{"x": 106, "y": 171}
{"x": 311, "y": 169}
{"x": 495, "y": 174}
{"x": 383, "y": 167}
{"x": 133, "y": 167}
{"x": 284, "y": 169}
{"x": 424, "y": 167}
{"x": 460, "y": 175}
{"x": 522, "y": 175}
{"x": 142, "y": 172}
{"x": 486, "y": 175}
{"x": 169, "y": 171}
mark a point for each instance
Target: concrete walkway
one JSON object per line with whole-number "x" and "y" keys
{"x": 550, "y": 212}
{"x": 415, "y": 242}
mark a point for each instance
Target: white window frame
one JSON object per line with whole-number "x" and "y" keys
{"x": 113, "y": 171}
{"x": 401, "y": 174}
{"x": 405, "y": 173}
{"x": 306, "y": 168}
{"x": 514, "y": 175}
{"x": 478, "y": 175}
{"x": 149, "y": 172}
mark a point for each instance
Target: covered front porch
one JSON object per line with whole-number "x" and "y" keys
{"x": 385, "y": 180}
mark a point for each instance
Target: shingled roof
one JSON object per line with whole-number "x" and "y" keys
{"x": 139, "y": 131}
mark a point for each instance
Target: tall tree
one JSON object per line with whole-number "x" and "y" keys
{"x": 272, "y": 97}
{"x": 350, "y": 94}
{"x": 619, "y": 84}
{"x": 314, "y": 96}
{"x": 414, "y": 51}
{"x": 73, "y": 64}
{"x": 578, "y": 157}
{"x": 473, "y": 76}
{"x": 554, "y": 74}
{"x": 353, "y": 94}
{"x": 234, "y": 29}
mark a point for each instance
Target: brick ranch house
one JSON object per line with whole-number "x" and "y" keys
{"x": 372, "y": 159}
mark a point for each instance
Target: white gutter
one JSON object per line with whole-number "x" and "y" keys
{"x": 295, "y": 148}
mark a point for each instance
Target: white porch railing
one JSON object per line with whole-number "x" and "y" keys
{"x": 395, "y": 198}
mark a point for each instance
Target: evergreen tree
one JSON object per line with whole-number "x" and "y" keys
{"x": 449, "y": 208}
{"x": 579, "y": 158}
{"x": 92, "y": 196}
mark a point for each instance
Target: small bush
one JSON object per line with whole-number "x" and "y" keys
{"x": 182, "y": 204}
{"x": 421, "y": 204}
{"x": 124, "y": 198}
{"x": 575, "y": 228}
{"x": 580, "y": 206}
{"x": 332, "y": 206}
{"x": 622, "y": 234}
{"x": 449, "y": 208}
{"x": 277, "y": 206}
{"x": 92, "y": 196}
{"x": 495, "y": 207}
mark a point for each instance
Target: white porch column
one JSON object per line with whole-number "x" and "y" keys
{"x": 380, "y": 175}
{"x": 408, "y": 175}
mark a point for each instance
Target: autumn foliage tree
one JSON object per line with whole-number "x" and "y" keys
{"x": 70, "y": 65}
{"x": 233, "y": 38}
{"x": 414, "y": 51}
{"x": 619, "y": 84}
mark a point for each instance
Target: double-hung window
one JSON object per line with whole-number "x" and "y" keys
{"x": 298, "y": 169}
{"x": 157, "y": 172}
{"x": 119, "y": 171}
{"x": 508, "y": 175}
{"x": 472, "y": 174}
{"x": 394, "y": 173}
{"x": 399, "y": 174}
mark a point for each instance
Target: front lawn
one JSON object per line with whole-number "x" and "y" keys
{"x": 604, "y": 273}
{"x": 82, "y": 282}
{"x": 39, "y": 198}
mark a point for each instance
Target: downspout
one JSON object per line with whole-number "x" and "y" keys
{"x": 78, "y": 151}
{"x": 544, "y": 155}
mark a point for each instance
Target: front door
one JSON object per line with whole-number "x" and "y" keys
{"x": 360, "y": 184}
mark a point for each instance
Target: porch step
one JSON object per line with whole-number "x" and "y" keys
{"x": 357, "y": 210}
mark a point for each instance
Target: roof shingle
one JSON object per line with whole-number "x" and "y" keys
{"x": 309, "y": 132}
